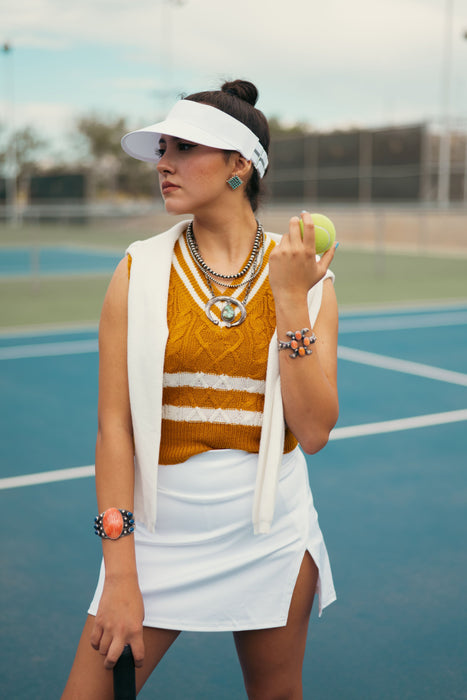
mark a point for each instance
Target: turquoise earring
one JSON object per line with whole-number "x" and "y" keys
{"x": 234, "y": 182}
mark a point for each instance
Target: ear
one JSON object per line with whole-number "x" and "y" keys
{"x": 241, "y": 166}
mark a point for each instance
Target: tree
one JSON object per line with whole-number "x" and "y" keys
{"x": 101, "y": 138}
{"x": 112, "y": 169}
{"x": 19, "y": 153}
{"x": 28, "y": 146}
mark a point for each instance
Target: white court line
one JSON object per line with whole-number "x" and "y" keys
{"x": 37, "y": 331}
{"x": 74, "y": 347}
{"x": 351, "y": 431}
{"x": 394, "y": 323}
{"x": 392, "y": 426}
{"x": 12, "y": 482}
{"x": 405, "y": 366}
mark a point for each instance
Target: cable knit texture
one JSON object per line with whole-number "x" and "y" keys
{"x": 214, "y": 377}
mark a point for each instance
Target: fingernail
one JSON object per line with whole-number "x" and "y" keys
{"x": 336, "y": 246}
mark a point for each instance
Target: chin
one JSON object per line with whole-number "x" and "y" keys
{"x": 174, "y": 207}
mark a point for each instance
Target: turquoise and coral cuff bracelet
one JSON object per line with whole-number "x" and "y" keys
{"x": 114, "y": 523}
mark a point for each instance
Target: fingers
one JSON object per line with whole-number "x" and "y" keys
{"x": 294, "y": 266}
{"x": 114, "y": 651}
{"x": 295, "y": 235}
{"x": 295, "y": 238}
{"x": 111, "y": 648}
{"x": 309, "y": 237}
{"x": 301, "y": 233}
{"x": 101, "y": 640}
{"x": 308, "y": 229}
{"x": 329, "y": 255}
{"x": 137, "y": 647}
{"x": 96, "y": 635}
{"x": 111, "y": 645}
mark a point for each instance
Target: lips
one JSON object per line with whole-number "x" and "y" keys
{"x": 167, "y": 187}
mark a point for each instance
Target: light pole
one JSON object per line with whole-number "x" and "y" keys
{"x": 444, "y": 164}
{"x": 464, "y": 36}
{"x": 11, "y": 159}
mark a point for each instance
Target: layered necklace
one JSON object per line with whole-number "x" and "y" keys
{"x": 231, "y": 307}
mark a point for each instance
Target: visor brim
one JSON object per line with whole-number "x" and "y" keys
{"x": 143, "y": 144}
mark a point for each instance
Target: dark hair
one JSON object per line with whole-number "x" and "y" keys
{"x": 238, "y": 98}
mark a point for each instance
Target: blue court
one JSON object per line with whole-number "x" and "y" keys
{"x": 55, "y": 260}
{"x": 390, "y": 489}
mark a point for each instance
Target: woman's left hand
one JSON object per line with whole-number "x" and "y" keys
{"x": 293, "y": 265}
{"x": 294, "y": 269}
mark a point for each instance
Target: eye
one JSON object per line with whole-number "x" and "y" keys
{"x": 159, "y": 152}
{"x": 184, "y": 146}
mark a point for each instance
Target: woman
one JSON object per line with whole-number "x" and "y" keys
{"x": 209, "y": 378}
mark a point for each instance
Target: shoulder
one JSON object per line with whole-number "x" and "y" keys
{"x": 115, "y": 300}
{"x": 119, "y": 279}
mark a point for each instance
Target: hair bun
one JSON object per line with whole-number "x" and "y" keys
{"x": 242, "y": 89}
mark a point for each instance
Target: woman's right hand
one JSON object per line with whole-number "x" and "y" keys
{"x": 119, "y": 620}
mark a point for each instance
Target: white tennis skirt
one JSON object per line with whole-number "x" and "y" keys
{"x": 203, "y": 569}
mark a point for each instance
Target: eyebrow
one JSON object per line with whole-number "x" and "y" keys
{"x": 179, "y": 139}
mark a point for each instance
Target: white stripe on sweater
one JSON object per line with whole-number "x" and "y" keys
{"x": 189, "y": 414}
{"x": 187, "y": 283}
{"x": 220, "y": 382}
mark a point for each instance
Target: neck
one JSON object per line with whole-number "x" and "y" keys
{"x": 225, "y": 243}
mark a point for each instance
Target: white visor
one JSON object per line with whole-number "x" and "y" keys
{"x": 201, "y": 124}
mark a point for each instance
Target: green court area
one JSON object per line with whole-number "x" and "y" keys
{"x": 365, "y": 274}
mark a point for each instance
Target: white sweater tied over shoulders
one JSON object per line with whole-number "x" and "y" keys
{"x": 147, "y": 338}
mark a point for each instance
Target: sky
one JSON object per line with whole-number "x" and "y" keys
{"x": 329, "y": 63}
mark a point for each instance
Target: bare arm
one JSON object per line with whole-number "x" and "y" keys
{"x": 120, "y": 614}
{"x": 309, "y": 384}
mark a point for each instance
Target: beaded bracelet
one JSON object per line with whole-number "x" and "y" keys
{"x": 293, "y": 344}
{"x": 114, "y": 523}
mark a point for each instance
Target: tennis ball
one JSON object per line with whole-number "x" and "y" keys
{"x": 325, "y": 233}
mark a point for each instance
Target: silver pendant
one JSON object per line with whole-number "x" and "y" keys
{"x": 228, "y": 312}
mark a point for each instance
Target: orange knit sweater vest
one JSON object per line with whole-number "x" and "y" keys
{"x": 214, "y": 376}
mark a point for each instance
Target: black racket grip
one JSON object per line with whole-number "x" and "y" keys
{"x": 124, "y": 676}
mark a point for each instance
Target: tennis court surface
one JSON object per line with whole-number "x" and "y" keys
{"x": 390, "y": 489}
{"x": 24, "y": 261}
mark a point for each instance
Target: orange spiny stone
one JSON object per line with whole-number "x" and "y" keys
{"x": 306, "y": 341}
{"x": 298, "y": 335}
{"x": 301, "y": 351}
{"x": 293, "y": 344}
{"x": 112, "y": 522}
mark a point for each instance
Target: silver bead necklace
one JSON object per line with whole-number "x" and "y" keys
{"x": 231, "y": 306}
{"x": 248, "y": 280}
{"x": 194, "y": 250}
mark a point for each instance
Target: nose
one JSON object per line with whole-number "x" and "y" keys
{"x": 164, "y": 164}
